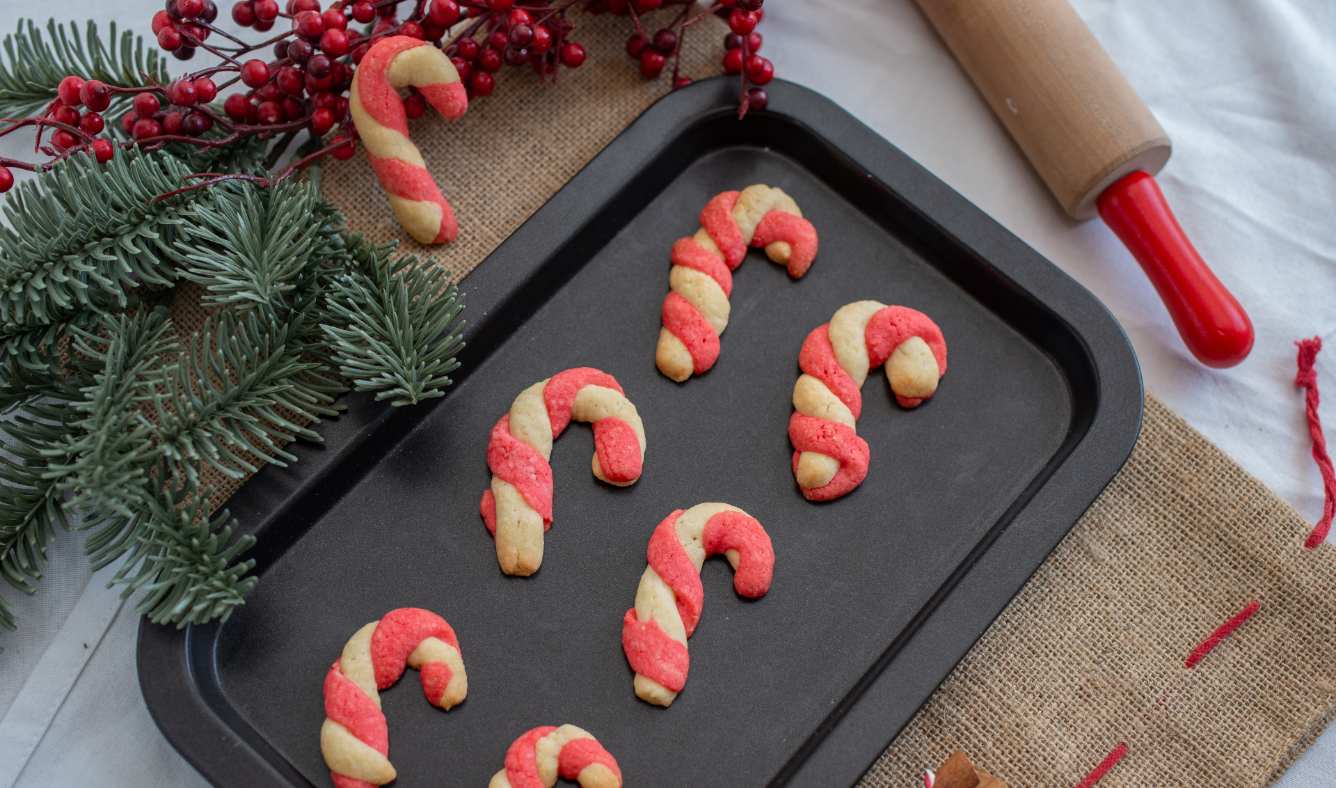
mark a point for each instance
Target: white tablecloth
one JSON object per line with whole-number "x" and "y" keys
{"x": 1244, "y": 88}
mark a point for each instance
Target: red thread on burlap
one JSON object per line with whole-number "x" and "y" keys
{"x": 1111, "y": 760}
{"x": 1306, "y": 378}
{"x": 1221, "y": 632}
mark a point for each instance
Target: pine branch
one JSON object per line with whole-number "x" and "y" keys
{"x": 84, "y": 236}
{"x": 186, "y": 564}
{"x": 30, "y": 501}
{"x": 250, "y": 245}
{"x": 393, "y": 325}
{"x": 242, "y": 392}
{"x": 34, "y": 64}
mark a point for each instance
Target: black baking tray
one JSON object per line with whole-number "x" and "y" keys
{"x": 876, "y": 596}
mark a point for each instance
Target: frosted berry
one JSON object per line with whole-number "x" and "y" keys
{"x": 69, "y": 90}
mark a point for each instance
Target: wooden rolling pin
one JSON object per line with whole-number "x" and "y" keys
{"x": 1096, "y": 145}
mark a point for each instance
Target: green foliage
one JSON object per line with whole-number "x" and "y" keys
{"x": 34, "y": 64}
{"x": 112, "y": 416}
{"x": 394, "y": 324}
{"x": 85, "y": 235}
{"x": 249, "y": 247}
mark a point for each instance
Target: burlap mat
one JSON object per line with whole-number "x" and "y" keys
{"x": 1091, "y": 653}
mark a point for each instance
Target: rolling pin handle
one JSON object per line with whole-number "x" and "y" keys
{"x": 1211, "y": 321}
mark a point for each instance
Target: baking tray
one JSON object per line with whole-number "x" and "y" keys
{"x": 876, "y": 596}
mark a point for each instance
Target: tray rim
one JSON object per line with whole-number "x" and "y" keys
{"x": 859, "y": 729}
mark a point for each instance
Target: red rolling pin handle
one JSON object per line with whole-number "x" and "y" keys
{"x": 1211, "y": 321}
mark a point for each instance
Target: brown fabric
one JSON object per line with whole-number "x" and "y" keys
{"x": 1091, "y": 652}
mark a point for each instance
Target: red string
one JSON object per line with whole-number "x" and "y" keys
{"x": 1306, "y": 378}
{"x": 1221, "y": 632}
{"x": 1111, "y": 760}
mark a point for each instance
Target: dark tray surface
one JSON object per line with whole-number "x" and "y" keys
{"x": 853, "y": 578}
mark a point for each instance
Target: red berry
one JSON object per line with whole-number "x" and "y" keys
{"x": 359, "y": 53}
{"x": 102, "y": 149}
{"x": 171, "y": 122}
{"x": 190, "y": 9}
{"x": 462, "y": 67}
{"x": 297, "y": 6}
{"x": 760, "y": 70}
{"x": 244, "y": 14}
{"x": 468, "y": 49}
{"x": 91, "y": 123}
{"x": 292, "y": 108}
{"x": 520, "y": 35}
{"x": 335, "y": 42}
{"x": 160, "y": 20}
{"x": 95, "y": 95}
{"x": 127, "y": 122}
{"x": 680, "y": 82}
{"x": 205, "y": 90}
{"x": 290, "y": 81}
{"x": 518, "y": 16}
{"x": 299, "y": 50}
{"x": 645, "y": 6}
{"x": 635, "y": 45}
{"x": 6, "y": 180}
{"x": 500, "y": 5}
{"x": 432, "y": 31}
{"x": 322, "y": 120}
{"x": 186, "y": 52}
{"x": 733, "y": 61}
{"x": 334, "y": 19}
{"x": 269, "y": 112}
{"x": 542, "y": 39}
{"x": 741, "y": 22}
{"x": 489, "y": 61}
{"x": 572, "y": 54}
{"x": 254, "y": 73}
{"x": 183, "y": 93}
{"x": 757, "y": 98}
{"x": 516, "y": 56}
{"x": 341, "y": 75}
{"x": 69, "y": 90}
{"x": 63, "y": 140}
{"x": 237, "y": 107}
{"x": 308, "y": 24}
{"x": 415, "y": 106}
{"x": 665, "y": 41}
{"x": 197, "y": 123}
{"x": 344, "y": 151}
{"x": 210, "y": 11}
{"x": 363, "y": 11}
{"x": 651, "y": 63}
{"x": 482, "y": 83}
{"x": 145, "y": 128}
{"x": 732, "y": 41}
{"x": 64, "y": 114}
{"x": 268, "y": 92}
{"x": 266, "y": 10}
{"x": 444, "y": 12}
{"x": 498, "y": 40}
{"x": 169, "y": 39}
{"x": 411, "y": 29}
{"x": 754, "y": 41}
{"x": 146, "y": 105}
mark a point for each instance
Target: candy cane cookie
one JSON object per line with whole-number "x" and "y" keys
{"x": 670, "y": 596}
{"x": 355, "y": 737}
{"x": 829, "y": 459}
{"x": 695, "y": 311}
{"x": 542, "y": 754}
{"x": 517, "y": 508}
{"x": 390, "y": 65}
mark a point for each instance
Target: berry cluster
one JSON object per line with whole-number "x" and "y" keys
{"x": 297, "y": 78}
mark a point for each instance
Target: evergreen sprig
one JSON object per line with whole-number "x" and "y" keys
{"x": 394, "y": 324}
{"x": 34, "y": 64}
{"x": 112, "y": 418}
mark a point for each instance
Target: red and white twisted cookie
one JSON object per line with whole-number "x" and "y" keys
{"x": 390, "y": 65}
{"x": 695, "y": 312}
{"x": 670, "y": 595}
{"x": 829, "y": 459}
{"x": 517, "y": 509}
{"x": 354, "y": 737}
{"x": 541, "y": 755}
